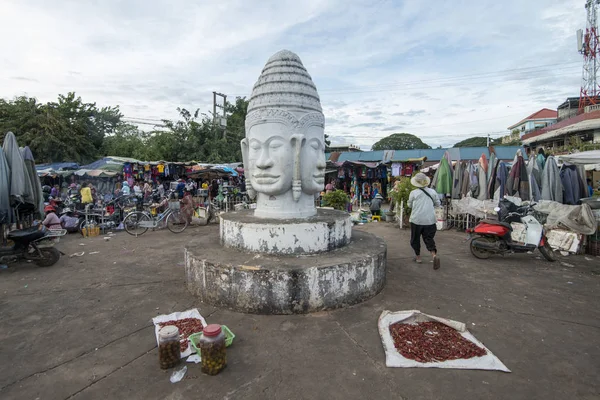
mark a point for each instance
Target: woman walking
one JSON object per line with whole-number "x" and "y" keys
{"x": 422, "y": 201}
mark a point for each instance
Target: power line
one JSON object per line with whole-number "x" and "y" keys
{"x": 143, "y": 119}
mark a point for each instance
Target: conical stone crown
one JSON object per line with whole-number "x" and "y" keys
{"x": 285, "y": 83}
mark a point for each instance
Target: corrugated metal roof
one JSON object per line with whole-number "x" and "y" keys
{"x": 562, "y": 124}
{"x": 502, "y": 152}
{"x": 433, "y": 155}
{"x": 349, "y": 156}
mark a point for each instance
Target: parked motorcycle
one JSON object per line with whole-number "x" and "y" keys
{"x": 35, "y": 244}
{"x": 494, "y": 237}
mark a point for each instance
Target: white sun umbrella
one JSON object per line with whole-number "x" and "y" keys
{"x": 36, "y": 185}
{"x": 5, "y": 209}
{"x": 20, "y": 184}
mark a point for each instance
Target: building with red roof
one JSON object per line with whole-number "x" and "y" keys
{"x": 540, "y": 119}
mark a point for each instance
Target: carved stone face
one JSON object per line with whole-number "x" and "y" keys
{"x": 313, "y": 160}
{"x": 270, "y": 158}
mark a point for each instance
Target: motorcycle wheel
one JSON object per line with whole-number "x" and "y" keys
{"x": 548, "y": 252}
{"x": 480, "y": 253}
{"x": 50, "y": 256}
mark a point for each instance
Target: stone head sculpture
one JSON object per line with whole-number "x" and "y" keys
{"x": 284, "y": 148}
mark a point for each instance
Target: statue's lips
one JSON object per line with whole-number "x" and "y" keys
{"x": 266, "y": 179}
{"x": 319, "y": 178}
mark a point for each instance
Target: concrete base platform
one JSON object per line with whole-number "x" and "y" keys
{"x": 326, "y": 231}
{"x": 276, "y": 284}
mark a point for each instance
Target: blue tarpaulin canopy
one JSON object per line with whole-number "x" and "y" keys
{"x": 62, "y": 166}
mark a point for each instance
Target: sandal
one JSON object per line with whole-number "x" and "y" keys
{"x": 417, "y": 260}
{"x": 436, "y": 262}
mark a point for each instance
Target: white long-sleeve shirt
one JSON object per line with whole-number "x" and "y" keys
{"x": 423, "y": 209}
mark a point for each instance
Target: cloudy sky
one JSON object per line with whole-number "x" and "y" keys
{"x": 443, "y": 70}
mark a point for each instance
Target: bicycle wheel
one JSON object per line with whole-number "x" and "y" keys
{"x": 132, "y": 223}
{"x": 176, "y": 222}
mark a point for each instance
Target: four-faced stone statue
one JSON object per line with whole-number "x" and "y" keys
{"x": 284, "y": 148}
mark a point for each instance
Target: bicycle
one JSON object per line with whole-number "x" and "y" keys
{"x": 138, "y": 222}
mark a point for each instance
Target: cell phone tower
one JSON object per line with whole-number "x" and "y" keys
{"x": 588, "y": 45}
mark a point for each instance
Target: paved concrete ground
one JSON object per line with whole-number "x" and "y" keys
{"x": 81, "y": 329}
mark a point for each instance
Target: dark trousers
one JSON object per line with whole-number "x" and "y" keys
{"x": 428, "y": 233}
{"x": 375, "y": 212}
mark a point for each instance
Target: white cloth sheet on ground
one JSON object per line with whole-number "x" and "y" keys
{"x": 193, "y": 313}
{"x": 394, "y": 359}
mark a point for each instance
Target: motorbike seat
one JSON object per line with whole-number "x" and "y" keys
{"x": 32, "y": 233}
{"x": 500, "y": 223}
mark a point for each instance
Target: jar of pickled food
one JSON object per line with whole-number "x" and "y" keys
{"x": 169, "y": 352}
{"x": 212, "y": 349}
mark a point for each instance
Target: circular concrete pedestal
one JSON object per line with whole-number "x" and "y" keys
{"x": 326, "y": 231}
{"x": 286, "y": 284}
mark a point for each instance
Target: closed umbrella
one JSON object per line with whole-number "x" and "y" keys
{"x": 482, "y": 168}
{"x": 444, "y": 177}
{"x": 552, "y": 188}
{"x": 20, "y": 185}
{"x": 457, "y": 181}
{"x": 491, "y": 168}
{"x": 36, "y": 185}
{"x": 5, "y": 210}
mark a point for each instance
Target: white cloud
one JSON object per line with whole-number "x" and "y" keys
{"x": 380, "y": 67}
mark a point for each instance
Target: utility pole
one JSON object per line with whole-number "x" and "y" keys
{"x": 488, "y": 140}
{"x": 220, "y": 120}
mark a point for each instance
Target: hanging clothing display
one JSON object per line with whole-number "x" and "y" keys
{"x": 396, "y": 169}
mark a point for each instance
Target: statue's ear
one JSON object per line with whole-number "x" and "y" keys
{"x": 245, "y": 160}
{"x": 297, "y": 141}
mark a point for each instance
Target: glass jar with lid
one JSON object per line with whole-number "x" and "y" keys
{"x": 169, "y": 351}
{"x": 213, "y": 350}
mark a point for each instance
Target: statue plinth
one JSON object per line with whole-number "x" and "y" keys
{"x": 326, "y": 231}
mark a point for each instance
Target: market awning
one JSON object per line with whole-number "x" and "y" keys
{"x": 409, "y": 160}
{"x": 583, "y": 158}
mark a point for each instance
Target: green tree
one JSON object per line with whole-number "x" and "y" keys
{"x": 477, "y": 141}
{"x": 66, "y": 130}
{"x": 400, "y": 141}
{"x": 127, "y": 141}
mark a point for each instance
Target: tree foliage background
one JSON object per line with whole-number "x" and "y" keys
{"x": 477, "y": 141}
{"x": 72, "y": 130}
{"x": 400, "y": 141}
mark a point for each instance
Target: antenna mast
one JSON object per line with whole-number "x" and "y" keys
{"x": 588, "y": 45}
